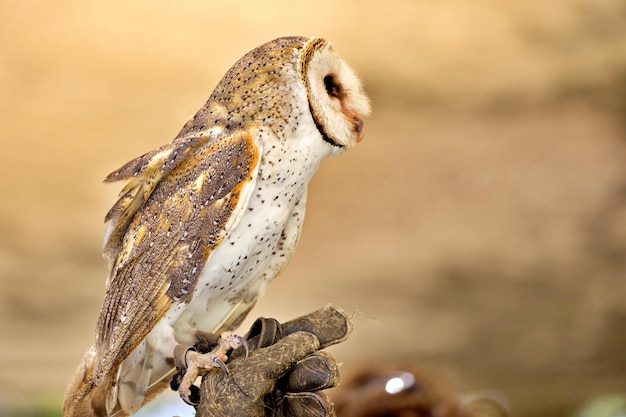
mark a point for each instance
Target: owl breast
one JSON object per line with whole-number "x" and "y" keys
{"x": 241, "y": 267}
{"x": 261, "y": 243}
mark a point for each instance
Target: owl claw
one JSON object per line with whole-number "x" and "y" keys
{"x": 241, "y": 342}
{"x": 193, "y": 398}
{"x": 220, "y": 364}
{"x": 195, "y": 362}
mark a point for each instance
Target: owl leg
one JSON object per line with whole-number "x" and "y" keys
{"x": 196, "y": 363}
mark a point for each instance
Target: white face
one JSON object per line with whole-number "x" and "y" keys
{"x": 336, "y": 98}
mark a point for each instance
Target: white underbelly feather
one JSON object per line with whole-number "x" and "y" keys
{"x": 233, "y": 277}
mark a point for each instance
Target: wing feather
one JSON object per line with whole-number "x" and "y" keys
{"x": 170, "y": 217}
{"x": 143, "y": 174}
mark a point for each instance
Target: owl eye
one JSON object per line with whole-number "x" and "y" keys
{"x": 333, "y": 88}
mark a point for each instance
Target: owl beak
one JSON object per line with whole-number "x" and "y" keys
{"x": 357, "y": 123}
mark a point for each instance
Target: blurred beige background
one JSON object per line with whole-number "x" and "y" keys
{"x": 479, "y": 229}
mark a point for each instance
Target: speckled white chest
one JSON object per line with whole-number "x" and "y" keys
{"x": 261, "y": 243}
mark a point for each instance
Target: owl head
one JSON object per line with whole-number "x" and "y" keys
{"x": 289, "y": 81}
{"x": 336, "y": 98}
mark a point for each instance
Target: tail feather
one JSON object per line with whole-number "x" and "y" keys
{"x": 134, "y": 377}
{"x": 112, "y": 398}
{"x": 83, "y": 397}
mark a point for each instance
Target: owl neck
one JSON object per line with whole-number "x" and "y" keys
{"x": 289, "y": 163}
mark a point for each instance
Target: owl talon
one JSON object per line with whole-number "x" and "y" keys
{"x": 220, "y": 364}
{"x": 196, "y": 364}
{"x": 242, "y": 343}
{"x": 193, "y": 398}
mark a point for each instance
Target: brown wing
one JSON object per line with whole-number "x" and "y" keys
{"x": 176, "y": 209}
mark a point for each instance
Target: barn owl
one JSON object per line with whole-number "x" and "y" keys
{"x": 205, "y": 222}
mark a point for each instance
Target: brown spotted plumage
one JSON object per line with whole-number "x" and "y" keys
{"x": 206, "y": 221}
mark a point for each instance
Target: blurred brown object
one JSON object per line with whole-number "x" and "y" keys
{"x": 376, "y": 391}
{"x": 484, "y": 406}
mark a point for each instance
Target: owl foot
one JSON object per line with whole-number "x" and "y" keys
{"x": 197, "y": 364}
